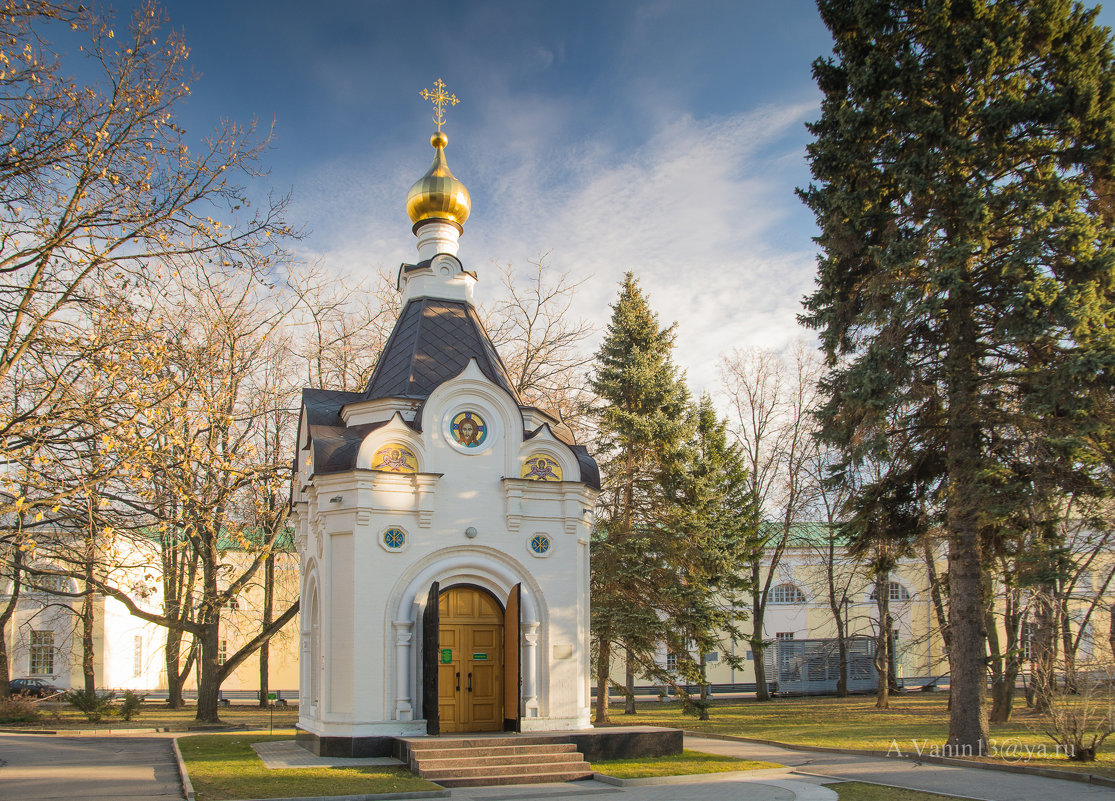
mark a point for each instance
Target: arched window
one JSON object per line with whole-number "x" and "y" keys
{"x": 895, "y": 592}
{"x": 787, "y": 594}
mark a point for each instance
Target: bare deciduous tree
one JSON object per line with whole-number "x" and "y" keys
{"x": 771, "y": 397}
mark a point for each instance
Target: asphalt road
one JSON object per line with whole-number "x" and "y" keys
{"x": 62, "y": 768}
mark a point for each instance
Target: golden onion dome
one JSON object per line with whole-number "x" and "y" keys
{"x": 437, "y": 195}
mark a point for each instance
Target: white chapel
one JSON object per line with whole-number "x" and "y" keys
{"x": 442, "y": 526}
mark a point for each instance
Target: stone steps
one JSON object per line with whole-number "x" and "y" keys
{"x": 480, "y": 761}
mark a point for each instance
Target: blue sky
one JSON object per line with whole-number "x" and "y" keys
{"x": 664, "y": 137}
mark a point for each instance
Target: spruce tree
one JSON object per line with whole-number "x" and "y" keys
{"x": 963, "y": 165}
{"x": 642, "y": 423}
{"x": 710, "y": 526}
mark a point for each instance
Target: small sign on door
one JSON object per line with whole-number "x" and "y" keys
{"x": 480, "y": 657}
{"x": 446, "y": 656}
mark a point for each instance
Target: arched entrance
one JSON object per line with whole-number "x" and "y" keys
{"x": 470, "y": 660}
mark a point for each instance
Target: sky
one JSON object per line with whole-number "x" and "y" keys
{"x": 664, "y": 137}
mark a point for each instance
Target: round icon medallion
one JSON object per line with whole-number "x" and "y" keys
{"x": 468, "y": 430}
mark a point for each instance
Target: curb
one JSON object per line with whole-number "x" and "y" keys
{"x": 187, "y": 787}
{"x": 1048, "y": 773}
{"x": 371, "y": 797}
{"x": 687, "y": 778}
{"x": 843, "y": 780}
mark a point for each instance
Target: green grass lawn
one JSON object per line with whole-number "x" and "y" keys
{"x": 856, "y": 791}
{"x": 855, "y": 723}
{"x": 683, "y": 764}
{"x": 224, "y": 766}
{"x": 61, "y": 716}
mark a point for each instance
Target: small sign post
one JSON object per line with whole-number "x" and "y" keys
{"x": 271, "y": 703}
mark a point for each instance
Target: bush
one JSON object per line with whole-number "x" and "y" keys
{"x": 93, "y": 705}
{"x": 1079, "y": 722}
{"x": 130, "y": 705}
{"x": 18, "y": 709}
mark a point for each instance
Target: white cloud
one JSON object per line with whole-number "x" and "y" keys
{"x": 697, "y": 212}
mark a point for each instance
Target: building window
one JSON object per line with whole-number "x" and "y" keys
{"x": 1028, "y": 630}
{"x": 233, "y": 603}
{"x": 784, "y": 635}
{"x": 42, "y": 653}
{"x": 1086, "y": 650}
{"x": 1084, "y": 582}
{"x": 895, "y": 592}
{"x": 787, "y": 594}
{"x": 671, "y": 661}
{"x": 137, "y": 656}
{"x": 48, "y": 583}
{"x": 222, "y": 651}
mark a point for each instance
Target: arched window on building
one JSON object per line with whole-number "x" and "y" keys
{"x": 786, "y": 594}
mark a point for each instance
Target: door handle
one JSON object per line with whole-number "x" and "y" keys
{"x": 458, "y": 681}
{"x": 470, "y": 682}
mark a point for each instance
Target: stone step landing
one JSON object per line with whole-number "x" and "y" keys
{"x": 479, "y": 761}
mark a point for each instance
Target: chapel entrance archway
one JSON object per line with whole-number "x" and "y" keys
{"x": 470, "y": 660}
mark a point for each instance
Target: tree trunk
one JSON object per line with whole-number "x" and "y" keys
{"x": 629, "y": 677}
{"x": 703, "y": 715}
{"x": 837, "y": 606}
{"x": 5, "y": 675}
{"x": 87, "y": 663}
{"x": 1002, "y": 697}
{"x": 172, "y": 654}
{"x": 1111, "y": 630}
{"x": 1041, "y": 651}
{"x": 208, "y": 641}
{"x": 935, "y": 594}
{"x": 6, "y": 616}
{"x": 882, "y": 640}
{"x": 1068, "y": 644}
{"x": 1002, "y": 688}
{"x": 758, "y": 645}
{"x": 208, "y": 685}
{"x": 968, "y": 729}
{"x": 604, "y": 660}
{"x": 268, "y": 614}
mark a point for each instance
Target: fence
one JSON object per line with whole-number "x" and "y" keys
{"x": 812, "y": 667}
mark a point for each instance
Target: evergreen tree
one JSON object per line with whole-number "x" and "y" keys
{"x": 963, "y": 165}
{"x": 711, "y": 525}
{"x": 641, "y": 427}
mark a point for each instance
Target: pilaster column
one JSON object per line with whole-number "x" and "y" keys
{"x": 404, "y": 632}
{"x": 530, "y": 670}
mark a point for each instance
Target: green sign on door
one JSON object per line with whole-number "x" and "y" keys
{"x": 446, "y": 656}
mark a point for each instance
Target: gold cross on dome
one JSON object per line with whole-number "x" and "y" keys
{"x": 440, "y": 98}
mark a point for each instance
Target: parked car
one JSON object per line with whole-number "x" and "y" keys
{"x": 35, "y": 688}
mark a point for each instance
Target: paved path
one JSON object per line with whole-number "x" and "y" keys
{"x": 702, "y": 788}
{"x": 974, "y": 783}
{"x": 92, "y": 768}
{"x": 55, "y": 768}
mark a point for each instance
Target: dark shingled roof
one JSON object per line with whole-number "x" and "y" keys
{"x": 590, "y": 473}
{"x": 433, "y": 342}
{"x": 335, "y": 444}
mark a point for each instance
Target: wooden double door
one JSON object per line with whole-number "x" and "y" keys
{"x": 470, "y": 656}
{"x": 472, "y": 686}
